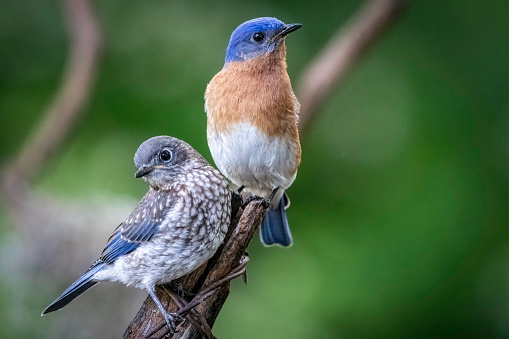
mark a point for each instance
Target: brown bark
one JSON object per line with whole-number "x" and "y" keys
{"x": 242, "y": 229}
{"x": 330, "y": 67}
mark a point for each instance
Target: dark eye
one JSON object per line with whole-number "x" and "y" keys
{"x": 165, "y": 155}
{"x": 258, "y": 37}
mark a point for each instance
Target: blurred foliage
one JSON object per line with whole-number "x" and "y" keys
{"x": 399, "y": 212}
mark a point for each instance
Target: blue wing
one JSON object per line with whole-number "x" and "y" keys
{"x": 85, "y": 282}
{"x": 140, "y": 227}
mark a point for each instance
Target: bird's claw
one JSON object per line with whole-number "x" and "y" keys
{"x": 171, "y": 324}
{"x": 260, "y": 200}
{"x": 173, "y": 320}
{"x": 237, "y": 201}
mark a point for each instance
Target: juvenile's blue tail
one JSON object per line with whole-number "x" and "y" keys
{"x": 77, "y": 288}
{"x": 274, "y": 229}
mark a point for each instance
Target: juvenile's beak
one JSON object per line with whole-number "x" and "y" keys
{"x": 143, "y": 170}
{"x": 289, "y": 28}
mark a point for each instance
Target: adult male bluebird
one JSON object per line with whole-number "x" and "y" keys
{"x": 252, "y": 116}
{"x": 176, "y": 227}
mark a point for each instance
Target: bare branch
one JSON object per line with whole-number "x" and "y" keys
{"x": 343, "y": 51}
{"x": 64, "y": 111}
{"x": 149, "y": 321}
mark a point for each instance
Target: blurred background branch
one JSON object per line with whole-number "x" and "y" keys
{"x": 67, "y": 105}
{"x": 344, "y": 50}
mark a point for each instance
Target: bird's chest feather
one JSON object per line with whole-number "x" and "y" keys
{"x": 252, "y": 117}
{"x": 248, "y": 157}
{"x": 257, "y": 92}
{"x": 193, "y": 228}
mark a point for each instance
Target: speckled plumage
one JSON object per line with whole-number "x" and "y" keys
{"x": 193, "y": 219}
{"x": 176, "y": 227}
{"x": 252, "y": 116}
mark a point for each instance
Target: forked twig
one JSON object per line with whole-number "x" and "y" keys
{"x": 205, "y": 293}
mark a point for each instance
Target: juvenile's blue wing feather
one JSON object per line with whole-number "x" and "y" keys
{"x": 116, "y": 247}
{"x": 140, "y": 227}
{"x": 76, "y": 289}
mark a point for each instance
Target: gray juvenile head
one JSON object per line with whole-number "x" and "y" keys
{"x": 158, "y": 159}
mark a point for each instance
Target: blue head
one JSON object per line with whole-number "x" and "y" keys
{"x": 257, "y": 37}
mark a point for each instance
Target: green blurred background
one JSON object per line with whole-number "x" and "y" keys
{"x": 399, "y": 212}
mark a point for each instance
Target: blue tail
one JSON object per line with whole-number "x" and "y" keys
{"x": 77, "y": 288}
{"x": 274, "y": 229}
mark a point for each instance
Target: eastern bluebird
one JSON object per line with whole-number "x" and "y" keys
{"x": 176, "y": 227}
{"x": 252, "y": 116}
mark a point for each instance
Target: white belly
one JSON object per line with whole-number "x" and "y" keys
{"x": 248, "y": 157}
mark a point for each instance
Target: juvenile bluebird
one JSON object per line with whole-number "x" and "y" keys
{"x": 176, "y": 227}
{"x": 252, "y": 116}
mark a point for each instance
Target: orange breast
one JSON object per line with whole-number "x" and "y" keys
{"x": 256, "y": 91}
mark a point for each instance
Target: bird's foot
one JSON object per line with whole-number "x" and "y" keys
{"x": 194, "y": 317}
{"x": 172, "y": 320}
{"x": 237, "y": 201}
{"x": 273, "y": 193}
{"x": 257, "y": 198}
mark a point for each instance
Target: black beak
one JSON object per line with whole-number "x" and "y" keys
{"x": 289, "y": 29}
{"x": 143, "y": 171}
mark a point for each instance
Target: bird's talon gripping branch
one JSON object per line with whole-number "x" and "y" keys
{"x": 172, "y": 325}
{"x": 273, "y": 193}
{"x": 265, "y": 203}
{"x": 195, "y": 318}
{"x": 168, "y": 317}
{"x": 261, "y": 200}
